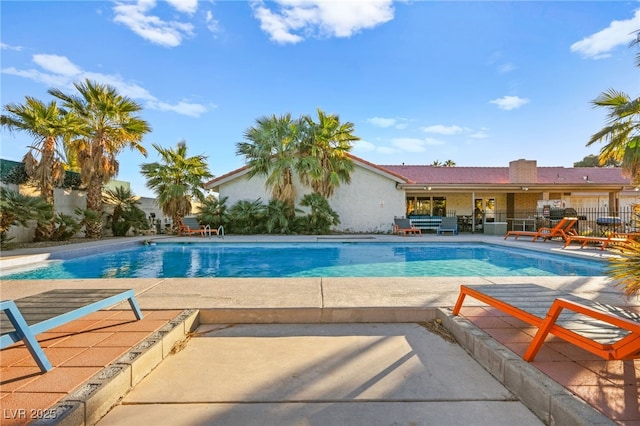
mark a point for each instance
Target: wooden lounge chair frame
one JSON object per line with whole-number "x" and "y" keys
{"x": 612, "y": 238}
{"x": 562, "y": 229}
{"x": 399, "y": 227}
{"x": 26, "y": 317}
{"x": 607, "y": 331}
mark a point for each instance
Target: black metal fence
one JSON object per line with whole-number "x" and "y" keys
{"x": 591, "y": 221}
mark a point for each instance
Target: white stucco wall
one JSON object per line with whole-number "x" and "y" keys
{"x": 368, "y": 204}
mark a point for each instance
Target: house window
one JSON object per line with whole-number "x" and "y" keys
{"x": 427, "y": 206}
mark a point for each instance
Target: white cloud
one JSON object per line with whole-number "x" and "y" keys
{"x": 293, "y": 20}
{"x": 600, "y": 44}
{"x": 442, "y": 130}
{"x": 409, "y": 144}
{"x": 212, "y": 24}
{"x": 60, "y": 72}
{"x": 480, "y": 134}
{"x": 56, "y": 64}
{"x": 364, "y": 146}
{"x": 509, "y": 102}
{"x": 184, "y": 6}
{"x": 382, "y": 122}
{"x": 182, "y": 107}
{"x": 4, "y": 46}
{"x": 152, "y": 28}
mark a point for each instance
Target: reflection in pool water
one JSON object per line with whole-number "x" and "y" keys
{"x": 190, "y": 260}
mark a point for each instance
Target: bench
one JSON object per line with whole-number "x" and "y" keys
{"x": 24, "y": 318}
{"x": 605, "y": 330}
{"x": 426, "y": 222}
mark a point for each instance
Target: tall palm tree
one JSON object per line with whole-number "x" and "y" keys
{"x": 270, "y": 149}
{"x": 324, "y": 162}
{"x": 177, "y": 180}
{"x": 110, "y": 125}
{"x": 44, "y": 161}
{"x": 622, "y": 132}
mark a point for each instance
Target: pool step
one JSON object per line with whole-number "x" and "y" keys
{"x": 315, "y": 315}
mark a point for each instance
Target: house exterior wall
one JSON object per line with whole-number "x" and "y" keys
{"x": 368, "y": 204}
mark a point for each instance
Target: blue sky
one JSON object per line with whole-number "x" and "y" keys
{"x": 480, "y": 83}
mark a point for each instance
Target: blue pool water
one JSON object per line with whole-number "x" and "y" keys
{"x": 190, "y": 260}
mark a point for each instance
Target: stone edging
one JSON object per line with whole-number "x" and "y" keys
{"x": 547, "y": 399}
{"x": 93, "y": 400}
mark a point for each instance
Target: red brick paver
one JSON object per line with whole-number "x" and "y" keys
{"x": 611, "y": 387}
{"x": 77, "y": 350}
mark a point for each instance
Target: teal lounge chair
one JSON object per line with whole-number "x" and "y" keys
{"x": 24, "y": 318}
{"x": 448, "y": 224}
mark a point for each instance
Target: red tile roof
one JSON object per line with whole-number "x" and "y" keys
{"x": 500, "y": 175}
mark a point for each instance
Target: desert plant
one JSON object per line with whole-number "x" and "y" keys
{"x": 246, "y": 217}
{"x": 279, "y": 217}
{"x": 321, "y": 216}
{"x": 626, "y": 269}
{"x": 89, "y": 219}
{"x": 213, "y": 212}
{"x": 65, "y": 227}
{"x": 18, "y": 209}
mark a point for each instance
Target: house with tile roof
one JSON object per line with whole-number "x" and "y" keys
{"x": 378, "y": 193}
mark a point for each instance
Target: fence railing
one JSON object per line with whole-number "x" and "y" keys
{"x": 590, "y": 220}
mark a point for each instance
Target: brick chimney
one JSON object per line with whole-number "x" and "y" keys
{"x": 523, "y": 171}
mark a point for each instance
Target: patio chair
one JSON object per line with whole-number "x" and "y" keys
{"x": 562, "y": 229}
{"x": 604, "y": 330}
{"x": 404, "y": 227}
{"x": 448, "y": 224}
{"x": 191, "y": 226}
{"x": 612, "y": 238}
{"x": 22, "y": 319}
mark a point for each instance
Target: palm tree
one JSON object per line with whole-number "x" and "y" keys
{"x": 213, "y": 212}
{"x": 622, "y": 132}
{"x": 110, "y": 125}
{"x": 271, "y": 149}
{"x": 18, "y": 209}
{"x": 321, "y": 216}
{"x": 246, "y": 217}
{"x": 44, "y": 161}
{"x": 449, "y": 163}
{"x": 177, "y": 181}
{"x": 626, "y": 269}
{"x": 123, "y": 202}
{"x": 324, "y": 162}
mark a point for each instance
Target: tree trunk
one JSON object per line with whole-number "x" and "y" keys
{"x": 94, "y": 202}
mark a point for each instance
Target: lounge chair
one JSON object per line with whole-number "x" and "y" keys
{"x": 562, "y": 229}
{"x": 22, "y": 319}
{"x": 190, "y": 226}
{"x": 404, "y": 227}
{"x": 607, "y": 331}
{"x": 448, "y": 224}
{"x": 612, "y": 238}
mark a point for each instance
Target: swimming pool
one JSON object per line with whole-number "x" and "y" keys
{"x": 192, "y": 260}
